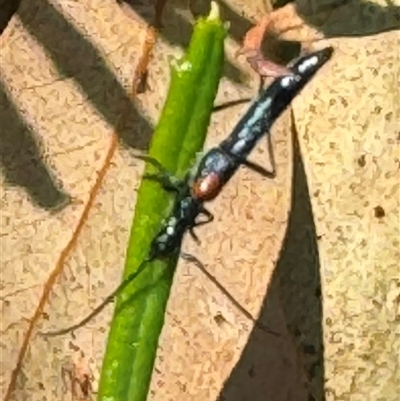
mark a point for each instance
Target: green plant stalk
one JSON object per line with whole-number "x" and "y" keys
{"x": 178, "y": 137}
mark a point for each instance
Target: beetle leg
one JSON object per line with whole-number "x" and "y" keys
{"x": 210, "y": 218}
{"x": 153, "y": 161}
{"x": 194, "y": 235}
{"x": 191, "y": 258}
{"x": 259, "y": 169}
{"x": 168, "y": 181}
{"x": 256, "y": 167}
{"x": 232, "y": 103}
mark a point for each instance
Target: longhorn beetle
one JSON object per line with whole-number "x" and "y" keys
{"x": 206, "y": 179}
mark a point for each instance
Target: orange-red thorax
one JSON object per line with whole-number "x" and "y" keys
{"x": 207, "y": 188}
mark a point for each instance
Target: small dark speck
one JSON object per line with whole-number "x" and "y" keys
{"x": 309, "y": 349}
{"x": 319, "y": 237}
{"x": 397, "y": 300}
{"x": 141, "y": 82}
{"x": 219, "y": 319}
{"x": 251, "y": 371}
{"x": 45, "y": 316}
{"x": 389, "y": 116}
{"x": 378, "y": 109}
{"x": 361, "y": 161}
{"x": 73, "y": 347}
{"x": 379, "y": 212}
{"x": 297, "y": 333}
{"x": 376, "y": 304}
{"x": 40, "y": 385}
{"x": 314, "y": 369}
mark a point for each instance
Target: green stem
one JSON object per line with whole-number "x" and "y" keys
{"x": 180, "y": 134}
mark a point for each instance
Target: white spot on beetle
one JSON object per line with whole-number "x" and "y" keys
{"x": 286, "y": 81}
{"x": 243, "y": 133}
{"x": 307, "y": 63}
{"x": 170, "y": 230}
{"x": 259, "y": 113}
{"x": 237, "y": 147}
{"x": 172, "y": 221}
{"x": 162, "y": 239}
